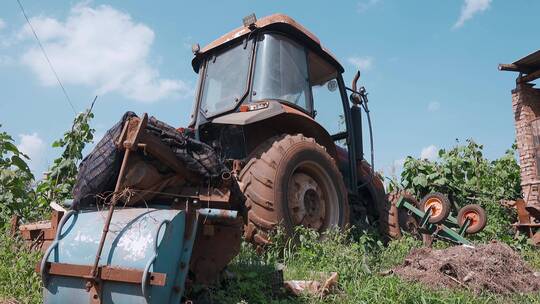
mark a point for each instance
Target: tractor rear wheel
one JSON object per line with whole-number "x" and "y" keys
{"x": 401, "y": 221}
{"x": 398, "y": 218}
{"x": 293, "y": 182}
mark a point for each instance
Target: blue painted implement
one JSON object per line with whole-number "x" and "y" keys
{"x": 140, "y": 255}
{"x": 145, "y": 257}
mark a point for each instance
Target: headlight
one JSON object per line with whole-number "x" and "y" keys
{"x": 254, "y": 106}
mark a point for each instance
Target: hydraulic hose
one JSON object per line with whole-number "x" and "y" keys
{"x": 372, "y": 150}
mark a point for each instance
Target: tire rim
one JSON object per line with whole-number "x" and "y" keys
{"x": 312, "y": 197}
{"x": 473, "y": 216}
{"x": 436, "y": 206}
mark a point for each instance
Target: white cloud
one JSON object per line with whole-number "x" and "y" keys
{"x": 33, "y": 146}
{"x": 363, "y": 63}
{"x": 102, "y": 48}
{"x": 364, "y": 5}
{"x": 469, "y": 9}
{"x": 2, "y": 24}
{"x": 429, "y": 152}
{"x": 434, "y": 106}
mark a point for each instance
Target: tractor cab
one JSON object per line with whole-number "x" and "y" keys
{"x": 267, "y": 68}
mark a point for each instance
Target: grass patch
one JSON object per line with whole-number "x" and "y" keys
{"x": 18, "y": 280}
{"x": 357, "y": 259}
{"x": 358, "y": 262}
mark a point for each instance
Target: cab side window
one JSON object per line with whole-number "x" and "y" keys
{"x": 327, "y": 105}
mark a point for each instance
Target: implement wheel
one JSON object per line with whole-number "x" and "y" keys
{"x": 293, "y": 182}
{"x": 476, "y": 215}
{"x": 439, "y": 204}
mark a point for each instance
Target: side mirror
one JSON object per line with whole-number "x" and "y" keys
{"x": 355, "y": 97}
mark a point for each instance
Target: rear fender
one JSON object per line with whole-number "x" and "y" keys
{"x": 276, "y": 119}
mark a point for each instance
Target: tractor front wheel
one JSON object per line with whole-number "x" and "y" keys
{"x": 293, "y": 182}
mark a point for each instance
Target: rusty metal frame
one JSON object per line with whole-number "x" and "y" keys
{"x": 525, "y": 222}
{"x": 132, "y": 138}
{"x": 129, "y": 144}
{"x": 39, "y": 235}
{"x": 128, "y": 141}
{"x": 105, "y": 273}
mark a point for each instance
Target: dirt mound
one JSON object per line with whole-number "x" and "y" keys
{"x": 491, "y": 267}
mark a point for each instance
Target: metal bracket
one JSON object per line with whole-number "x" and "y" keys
{"x": 53, "y": 245}
{"x": 106, "y": 273}
{"x": 146, "y": 272}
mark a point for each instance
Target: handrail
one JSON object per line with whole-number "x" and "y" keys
{"x": 54, "y": 244}
{"x": 146, "y": 271}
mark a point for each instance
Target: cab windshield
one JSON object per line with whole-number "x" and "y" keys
{"x": 281, "y": 71}
{"x": 225, "y": 79}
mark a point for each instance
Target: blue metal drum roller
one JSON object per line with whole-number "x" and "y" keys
{"x": 145, "y": 257}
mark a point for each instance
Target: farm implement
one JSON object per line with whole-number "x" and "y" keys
{"x": 435, "y": 221}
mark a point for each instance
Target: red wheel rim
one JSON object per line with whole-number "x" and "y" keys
{"x": 436, "y": 206}
{"x": 473, "y": 216}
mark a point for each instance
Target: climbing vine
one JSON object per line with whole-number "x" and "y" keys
{"x": 61, "y": 177}
{"x": 20, "y": 193}
{"x": 15, "y": 180}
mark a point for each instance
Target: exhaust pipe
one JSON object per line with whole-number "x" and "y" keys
{"x": 226, "y": 175}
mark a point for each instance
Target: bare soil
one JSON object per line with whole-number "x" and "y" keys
{"x": 493, "y": 267}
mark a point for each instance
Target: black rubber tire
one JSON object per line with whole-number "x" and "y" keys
{"x": 264, "y": 181}
{"x": 444, "y": 204}
{"x": 375, "y": 201}
{"x": 406, "y": 222}
{"x": 480, "y": 213}
{"x": 397, "y": 217}
{"x": 98, "y": 171}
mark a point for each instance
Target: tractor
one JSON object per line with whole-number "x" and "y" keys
{"x": 272, "y": 102}
{"x": 275, "y": 139}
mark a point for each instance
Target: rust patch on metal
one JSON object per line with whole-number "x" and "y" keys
{"x": 269, "y": 21}
{"x": 39, "y": 235}
{"x": 261, "y": 23}
{"x": 105, "y": 273}
{"x": 213, "y": 251}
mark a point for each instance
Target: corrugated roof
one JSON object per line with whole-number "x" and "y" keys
{"x": 529, "y": 63}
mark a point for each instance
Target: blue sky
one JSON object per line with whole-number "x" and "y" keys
{"x": 430, "y": 66}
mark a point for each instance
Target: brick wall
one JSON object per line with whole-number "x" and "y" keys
{"x": 526, "y": 107}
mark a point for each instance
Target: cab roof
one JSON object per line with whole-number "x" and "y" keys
{"x": 276, "y": 22}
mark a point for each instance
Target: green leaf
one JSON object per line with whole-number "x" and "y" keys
{"x": 11, "y": 148}
{"x": 420, "y": 180}
{"x": 20, "y": 163}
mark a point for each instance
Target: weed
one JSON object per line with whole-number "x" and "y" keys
{"x": 18, "y": 279}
